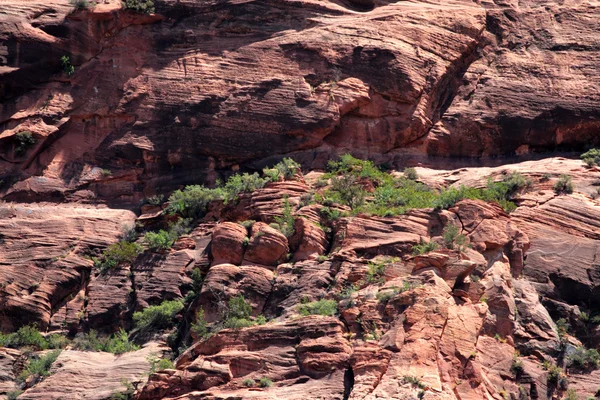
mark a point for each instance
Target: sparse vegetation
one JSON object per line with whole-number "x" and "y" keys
{"x": 155, "y": 200}
{"x": 155, "y": 318}
{"x": 564, "y": 184}
{"x": 413, "y": 380}
{"x": 160, "y": 364}
{"x": 375, "y": 272}
{"x": 411, "y": 173}
{"x": 285, "y": 222}
{"x": 24, "y": 140}
{"x": 191, "y": 202}
{"x": 591, "y": 157}
{"x": 571, "y": 395}
{"x": 285, "y": 169}
{"x": 248, "y": 382}
{"x": 118, "y": 343}
{"x": 584, "y": 359}
{"x": 125, "y": 395}
{"x": 13, "y": 394}
{"x": 265, "y": 382}
{"x": 424, "y": 247}
{"x": 29, "y": 336}
{"x": 159, "y": 241}
{"x": 321, "y": 307}
{"x": 453, "y": 239}
{"x": 200, "y": 327}
{"x": 116, "y": 255}
{"x": 238, "y": 314}
{"x": 142, "y": 6}
{"x": 80, "y": 4}
{"x": 39, "y": 366}
{"x": 68, "y": 68}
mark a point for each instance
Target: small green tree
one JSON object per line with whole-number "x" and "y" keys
{"x": 285, "y": 222}
{"x": 160, "y": 240}
{"x": 591, "y": 157}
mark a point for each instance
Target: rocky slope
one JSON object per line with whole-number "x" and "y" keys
{"x": 202, "y": 89}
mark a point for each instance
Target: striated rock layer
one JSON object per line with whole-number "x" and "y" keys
{"x": 187, "y": 93}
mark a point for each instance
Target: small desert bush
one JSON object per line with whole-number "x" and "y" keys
{"x": 564, "y": 184}
{"x": 155, "y": 318}
{"x": 321, "y": 307}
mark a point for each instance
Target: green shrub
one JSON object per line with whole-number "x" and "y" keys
{"x": 238, "y": 314}
{"x": 286, "y": 221}
{"x": 200, "y": 327}
{"x": 192, "y": 201}
{"x": 424, "y": 247}
{"x": 321, "y": 307}
{"x": 68, "y": 68}
{"x": 56, "y": 341}
{"x": 583, "y": 358}
{"x": 564, "y": 184}
{"x": 118, "y": 343}
{"x": 330, "y": 214}
{"x": 516, "y": 366}
{"x": 160, "y": 364}
{"x": 285, "y": 169}
{"x": 413, "y": 380}
{"x": 411, "y": 173}
{"x": 554, "y": 374}
{"x": 571, "y": 395}
{"x": 237, "y": 184}
{"x": 386, "y": 294}
{"x": 160, "y": 240}
{"x": 39, "y": 366}
{"x": 155, "y": 200}
{"x": 182, "y": 226}
{"x": 265, "y": 382}
{"x": 24, "y": 141}
{"x": 248, "y": 223}
{"x": 127, "y": 394}
{"x": 80, "y": 4}
{"x": 248, "y": 382}
{"x": 142, "y": 6}
{"x": 13, "y": 394}
{"x": 116, "y": 255}
{"x": 453, "y": 239}
{"x": 348, "y": 165}
{"x": 375, "y": 272}
{"x": 25, "y": 336}
{"x": 346, "y": 190}
{"x": 591, "y": 157}
{"x": 155, "y": 318}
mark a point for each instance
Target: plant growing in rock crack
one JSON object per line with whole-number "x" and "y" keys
{"x": 411, "y": 173}
{"x": 127, "y": 394}
{"x": 116, "y": 255}
{"x": 249, "y": 382}
{"x": 68, "y": 68}
{"x": 24, "y": 140}
{"x": 453, "y": 239}
{"x": 413, "y": 380}
{"x": 39, "y": 366}
{"x": 375, "y": 272}
{"x": 159, "y": 364}
{"x": 265, "y": 382}
{"x": 424, "y": 247}
{"x": 155, "y": 318}
{"x": 285, "y": 222}
{"x": 321, "y": 307}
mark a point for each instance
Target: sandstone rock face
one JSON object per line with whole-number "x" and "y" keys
{"x": 439, "y": 77}
{"x": 98, "y": 375}
{"x": 267, "y": 246}
{"x": 42, "y": 257}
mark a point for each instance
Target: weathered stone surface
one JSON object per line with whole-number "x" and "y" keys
{"x": 226, "y": 281}
{"x": 42, "y": 251}
{"x": 267, "y": 246}
{"x": 227, "y": 246}
{"x": 89, "y": 375}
